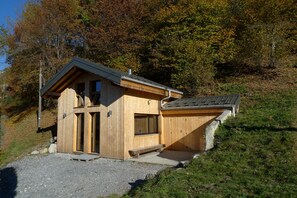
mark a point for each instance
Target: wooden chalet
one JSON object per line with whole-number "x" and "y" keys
{"x": 115, "y": 114}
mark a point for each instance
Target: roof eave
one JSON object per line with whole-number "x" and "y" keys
{"x": 199, "y": 107}
{"x": 55, "y": 78}
{"x": 102, "y": 71}
{"x": 152, "y": 85}
{"x": 81, "y": 64}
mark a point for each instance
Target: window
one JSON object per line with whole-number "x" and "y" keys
{"x": 80, "y": 132}
{"x": 95, "y": 89}
{"x": 145, "y": 124}
{"x": 80, "y": 94}
{"x": 95, "y": 132}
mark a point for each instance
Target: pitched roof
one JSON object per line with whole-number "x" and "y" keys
{"x": 228, "y": 101}
{"x": 74, "y": 68}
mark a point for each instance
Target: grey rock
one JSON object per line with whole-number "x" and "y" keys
{"x": 196, "y": 156}
{"x": 184, "y": 163}
{"x": 149, "y": 176}
{"x": 34, "y": 152}
{"x": 43, "y": 151}
{"x": 52, "y": 148}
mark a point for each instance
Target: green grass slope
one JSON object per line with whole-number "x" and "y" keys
{"x": 19, "y": 134}
{"x": 255, "y": 153}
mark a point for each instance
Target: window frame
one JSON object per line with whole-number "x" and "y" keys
{"x": 80, "y": 96}
{"x": 93, "y": 94}
{"x": 148, "y": 130}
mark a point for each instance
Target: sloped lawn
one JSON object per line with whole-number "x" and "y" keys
{"x": 255, "y": 155}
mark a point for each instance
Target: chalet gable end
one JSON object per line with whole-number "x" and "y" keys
{"x": 77, "y": 66}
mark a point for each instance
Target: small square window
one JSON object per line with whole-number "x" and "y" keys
{"x": 145, "y": 124}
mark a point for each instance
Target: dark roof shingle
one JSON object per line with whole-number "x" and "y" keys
{"x": 227, "y": 101}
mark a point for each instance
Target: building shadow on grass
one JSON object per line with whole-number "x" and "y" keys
{"x": 8, "y": 182}
{"x": 137, "y": 183}
{"x": 53, "y": 129}
{"x": 266, "y": 128}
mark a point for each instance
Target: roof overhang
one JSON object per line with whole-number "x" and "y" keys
{"x": 216, "y": 103}
{"x": 164, "y": 91}
{"x": 70, "y": 72}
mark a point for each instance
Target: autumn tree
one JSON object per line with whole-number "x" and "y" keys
{"x": 264, "y": 30}
{"x": 41, "y": 37}
{"x": 3, "y": 36}
{"x": 111, "y": 32}
{"x": 177, "y": 43}
{"x": 189, "y": 38}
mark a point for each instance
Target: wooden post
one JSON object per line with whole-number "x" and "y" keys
{"x": 40, "y": 99}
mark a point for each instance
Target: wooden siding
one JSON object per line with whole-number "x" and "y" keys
{"x": 178, "y": 129}
{"x": 111, "y": 126}
{"x": 65, "y": 136}
{"x": 184, "y": 130}
{"x": 142, "y": 103}
{"x": 148, "y": 89}
{"x": 145, "y": 140}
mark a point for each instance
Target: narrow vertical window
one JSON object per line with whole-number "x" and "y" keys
{"x": 80, "y": 94}
{"x": 95, "y": 135}
{"x": 80, "y": 132}
{"x": 95, "y": 90}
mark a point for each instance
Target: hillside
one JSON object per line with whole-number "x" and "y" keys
{"x": 255, "y": 153}
{"x": 20, "y": 133}
{"x": 176, "y": 43}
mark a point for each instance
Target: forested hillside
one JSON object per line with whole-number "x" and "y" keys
{"x": 201, "y": 47}
{"x": 187, "y": 44}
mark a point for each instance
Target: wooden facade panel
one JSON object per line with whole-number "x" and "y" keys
{"x": 65, "y": 121}
{"x": 110, "y": 109}
{"x": 122, "y": 112}
{"x": 60, "y": 125}
{"x": 192, "y": 112}
{"x": 145, "y": 140}
{"x": 138, "y": 103}
{"x": 114, "y": 138}
{"x": 178, "y": 129}
{"x": 148, "y": 89}
{"x": 186, "y": 132}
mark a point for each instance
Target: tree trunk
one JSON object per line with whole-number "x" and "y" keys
{"x": 272, "y": 58}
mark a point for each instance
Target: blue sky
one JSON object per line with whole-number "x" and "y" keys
{"x": 9, "y": 10}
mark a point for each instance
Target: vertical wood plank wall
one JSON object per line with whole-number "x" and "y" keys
{"x": 65, "y": 136}
{"x": 184, "y": 131}
{"x": 111, "y": 127}
{"x": 178, "y": 129}
{"x": 143, "y": 103}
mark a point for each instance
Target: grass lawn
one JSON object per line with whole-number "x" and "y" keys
{"x": 19, "y": 134}
{"x": 255, "y": 154}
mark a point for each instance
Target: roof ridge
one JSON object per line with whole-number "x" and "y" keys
{"x": 112, "y": 74}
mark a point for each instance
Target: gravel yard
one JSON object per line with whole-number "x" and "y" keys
{"x": 55, "y": 175}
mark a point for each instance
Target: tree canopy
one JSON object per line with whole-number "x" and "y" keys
{"x": 183, "y": 43}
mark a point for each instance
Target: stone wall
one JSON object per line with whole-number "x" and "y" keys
{"x": 212, "y": 127}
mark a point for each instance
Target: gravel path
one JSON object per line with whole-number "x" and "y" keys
{"x": 55, "y": 175}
